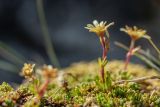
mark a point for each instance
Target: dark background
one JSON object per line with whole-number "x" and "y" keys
{"x": 20, "y": 30}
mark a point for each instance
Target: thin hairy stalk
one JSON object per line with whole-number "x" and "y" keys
{"x": 43, "y": 88}
{"x": 103, "y": 44}
{"x": 47, "y": 39}
{"x": 102, "y": 39}
{"x": 102, "y": 73}
{"x": 104, "y": 56}
{"x": 138, "y": 79}
{"x": 129, "y": 54}
{"x": 154, "y": 46}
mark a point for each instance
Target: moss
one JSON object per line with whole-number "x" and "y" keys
{"x": 87, "y": 90}
{"x": 5, "y": 90}
{"x": 5, "y": 87}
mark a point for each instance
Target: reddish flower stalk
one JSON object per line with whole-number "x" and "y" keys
{"x": 43, "y": 88}
{"x": 49, "y": 73}
{"x": 129, "y": 54}
{"x": 104, "y": 44}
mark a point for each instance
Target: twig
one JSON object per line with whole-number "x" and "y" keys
{"x": 138, "y": 79}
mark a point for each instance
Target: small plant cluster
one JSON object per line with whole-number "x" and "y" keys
{"x": 101, "y": 30}
{"x": 87, "y": 91}
{"x": 136, "y": 34}
{"x": 45, "y": 86}
{"x": 32, "y": 90}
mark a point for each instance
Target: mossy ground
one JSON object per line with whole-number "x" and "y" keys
{"x": 83, "y": 88}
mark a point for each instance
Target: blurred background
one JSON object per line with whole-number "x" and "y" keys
{"x": 28, "y": 27}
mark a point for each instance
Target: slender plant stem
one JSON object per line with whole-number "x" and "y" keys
{"x": 102, "y": 73}
{"x": 104, "y": 55}
{"x": 47, "y": 39}
{"x": 138, "y": 79}
{"x": 129, "y": 54}
{"x": 155, "y": 47}
{"x": 104, "y": 47}
{"x": 43, "y": 88}
{"x": 142, "y": 57}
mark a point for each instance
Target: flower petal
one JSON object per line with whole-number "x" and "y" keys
{"x": 101, "y": 24}
{"x": 95, "y": 22}
{"x": 90, "y": 25}
{"x": 110, "y": 24}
